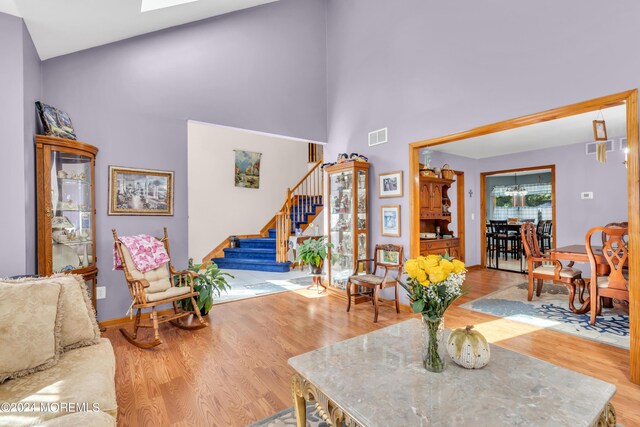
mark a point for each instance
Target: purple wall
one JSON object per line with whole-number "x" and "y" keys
{"x": 261, "y": 69}
{"x": 32, "y": 93}
{"x": 427, "y": 69}
{"x": 12, "y": 260}
{"x": 19, "y": 88}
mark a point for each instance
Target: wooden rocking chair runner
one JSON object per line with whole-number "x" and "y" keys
{"x": 374, "y": 283}
{"x": 156, "y": 287}
{"x": 541, "y": 268}
{"x": 616, "y": 283}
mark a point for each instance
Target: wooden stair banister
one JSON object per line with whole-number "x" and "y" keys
{"x": 308, "y": 190}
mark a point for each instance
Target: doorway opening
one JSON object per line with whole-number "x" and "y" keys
{"x": 632, "y": 176}
{"x": 510, "y": 198}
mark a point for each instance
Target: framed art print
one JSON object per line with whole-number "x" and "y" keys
{"x": 140, "y": 191}
{"x": 55, "y": 122}
{"x": 390, "y": 184}
{"x": 390, "y": 220}
{"x": 247, "y": 170}
{"x": 599, "y": 130}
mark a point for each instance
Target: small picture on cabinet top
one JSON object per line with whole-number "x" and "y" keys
{"x": 390, "y": 220}
{"x": 55, "y": 122}
{"x": 390, "y": 184}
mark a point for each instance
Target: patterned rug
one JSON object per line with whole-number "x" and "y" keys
{"x": 551, "y": 311}
{"x": 287, "y": 418}
{"x": 263, "y": 288}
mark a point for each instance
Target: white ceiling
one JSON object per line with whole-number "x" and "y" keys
{"x": 58, "y": 27}
{"x": 568, "y": 130}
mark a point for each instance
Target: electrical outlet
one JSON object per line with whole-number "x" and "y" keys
{"x": 101, "y": 292}
{"x": 586, "y": 195}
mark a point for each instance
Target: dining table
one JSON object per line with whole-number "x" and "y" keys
{"x": 578, "y": 253}
{"x": 511, "y": 227}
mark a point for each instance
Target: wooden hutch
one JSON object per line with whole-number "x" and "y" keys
{"x": 65, "y": 177}
{"x": 435, "y": 217}
{"x": 347, "y": 207}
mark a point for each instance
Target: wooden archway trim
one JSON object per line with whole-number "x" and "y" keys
{"x": 630, "y": 98}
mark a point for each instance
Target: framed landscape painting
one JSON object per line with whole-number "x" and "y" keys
{"x": 390, "y": 220}
{"x": 390, "y": 184}
{"x": 140, "y": 191}
{"x": 247, "y": 172}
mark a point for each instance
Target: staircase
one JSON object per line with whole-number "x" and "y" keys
{"x": 268, "y": 251}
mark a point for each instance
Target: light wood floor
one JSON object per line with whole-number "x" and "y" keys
{"x": 235, "y": 372}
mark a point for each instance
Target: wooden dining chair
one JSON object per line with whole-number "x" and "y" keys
{"x": 541, "y": 268}
{"x": 156, "y": 287}
{"x": 616, "y": 283}
{"x": 385, "y": 257}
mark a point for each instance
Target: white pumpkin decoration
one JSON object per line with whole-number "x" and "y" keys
{"x": 468, "y": 348}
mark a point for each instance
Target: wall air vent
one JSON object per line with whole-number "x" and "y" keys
{"x": 377, "y": 137}
{"x": 592, "y": 147}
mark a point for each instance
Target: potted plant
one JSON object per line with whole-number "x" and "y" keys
{"x": 210, "y": 280}
{"x": 313, "y": 251}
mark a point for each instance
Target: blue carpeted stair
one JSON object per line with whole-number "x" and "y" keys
{"x": 260, "y": 253}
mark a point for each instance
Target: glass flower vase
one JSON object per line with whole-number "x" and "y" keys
{"x": 433, "y": 345}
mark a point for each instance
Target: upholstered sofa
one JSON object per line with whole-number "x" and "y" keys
{"x": 73, "y": 387}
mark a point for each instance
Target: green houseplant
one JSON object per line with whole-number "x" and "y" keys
{"x": 313, "y": 251}
{"x": 210, "y": 280}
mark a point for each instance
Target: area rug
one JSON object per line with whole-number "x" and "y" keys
{"x": 287, "y": 418}
{"x": 268, "y": 287}
{"x": 551, "y": 311}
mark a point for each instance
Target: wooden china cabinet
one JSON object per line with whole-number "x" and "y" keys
{"x": 347, "y": 207}
{"x": 435, "y": 217}
{"x": 66, "y": 208}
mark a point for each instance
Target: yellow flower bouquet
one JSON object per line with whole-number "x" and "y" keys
{"x": 434, "y": 283}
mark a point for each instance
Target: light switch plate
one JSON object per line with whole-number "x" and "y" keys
{"x": 101, "y": 292}
{"x": 586, "y": 195}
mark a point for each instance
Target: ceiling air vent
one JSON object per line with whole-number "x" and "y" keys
{"x": 592, "y": 147}
{"x": 377, "y": 137}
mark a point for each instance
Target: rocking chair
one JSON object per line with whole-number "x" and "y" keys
{"x": 156, "y": 287}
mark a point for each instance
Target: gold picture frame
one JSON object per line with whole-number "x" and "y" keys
{"x": 390, "y": 220}
{"x": 140, "y": 192}
{"x": 390, "y": 184}
{"x": 599, "y": 130}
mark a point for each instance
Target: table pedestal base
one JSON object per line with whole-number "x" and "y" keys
{"x": 303, "y": 391}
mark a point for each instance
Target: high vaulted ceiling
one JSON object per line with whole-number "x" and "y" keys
{"x": 59, "y": 27}
{"x": 554, "y": 133}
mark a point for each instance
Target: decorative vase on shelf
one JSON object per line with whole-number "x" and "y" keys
{"x": 433, "y": 345}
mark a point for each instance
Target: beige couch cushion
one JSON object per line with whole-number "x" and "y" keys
{"x": 83, "y": 375}
{"x": 82, "y": 419}
{"x": 79, "y": 325}
{"x": 30, "y": 324}
{"x": 158, "y": 279}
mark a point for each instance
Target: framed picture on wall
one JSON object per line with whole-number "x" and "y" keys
{"x": 390, "y": 184}
{"x": 599, "y": 130}
{"x": 140, "y": 191}
{"x": 390, "y": 220}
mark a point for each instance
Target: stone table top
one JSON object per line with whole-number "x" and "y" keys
{"x": 378, "y": 378}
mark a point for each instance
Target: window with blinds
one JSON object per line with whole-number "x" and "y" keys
{"x": 524, "y": 201}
